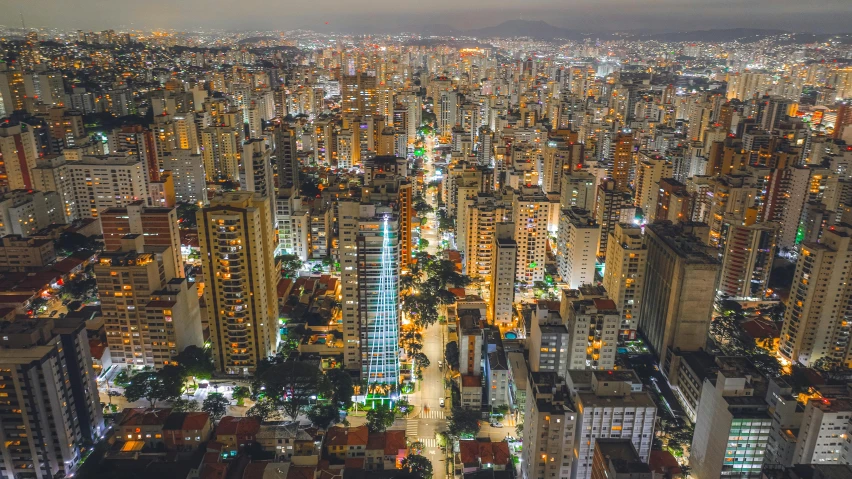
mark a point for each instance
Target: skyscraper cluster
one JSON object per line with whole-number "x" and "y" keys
{"x": 601, "y": 243}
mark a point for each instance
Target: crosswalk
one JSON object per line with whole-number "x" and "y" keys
{"x": 429, "y": 442}
{"x": 411, "y": 427}
{"x": 432, "y": 414}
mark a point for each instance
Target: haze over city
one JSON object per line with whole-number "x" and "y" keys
{"x": 389, "y": 16}
{"x": 425, "y": 240}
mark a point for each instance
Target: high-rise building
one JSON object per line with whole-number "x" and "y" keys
{"x": 531, "y": 215}
{"x": 611, "y": 405}
{"x": 12, "y": 90}
{"x": 51, "y": 174}
{"x": 733, "y": 423}
{"x": 470, "y": 320}
{"x": 369, "y": 244}
{"x": 50, "y": 408}
{"x": 608, "y": 205}
{"x": 164, "y": 317}
{"x": 788, "y": 189}
{"x": 593, "y": 326}
{"x": 650, "y": 169}
{"x": 824, "y": 432}
{"x": 844, "y": 119}
{"x": 158, "y": 227}
{"x": 503, "y": 270}
{"x": 578, "y": 238}
{"x": 618, "y": 459}
{"x": 747, "y": 262}
{"x": 622, "y": 159}
{"x": 187, "y": 172}
{"x": 140, "y": 143}
{"x": 676, "y": 311}
{"x": 237, "y": 246}
{"x": 101, "y": 182}
{"x": 221, "y": 148}
{"x": 560, "y": 155}
{"x": 578, "y": 190}
{"x": 18, "y": 152}
{"x": 815, "y": 323}
{"x": 548, "y": 340}
{"x": 550, "y": 422}
{"x": 624, "y": 275}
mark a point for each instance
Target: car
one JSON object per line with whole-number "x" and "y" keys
{"x": 496, "y": 424}
{"x": 54, "y": 313}
{"x": 442, "y": 402}
{"x": 440, "y": 364}
{"x": 113, "y": 393}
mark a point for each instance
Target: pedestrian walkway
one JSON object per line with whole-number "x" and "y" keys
{"x": 428, "y": 442}
{"x": 432, "y": 414}
{"x": 411, "y": 427}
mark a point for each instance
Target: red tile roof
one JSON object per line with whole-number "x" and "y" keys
{"x": 238, "y": 426}
{"x": 469, "y": 451}
{"x": 663, "y": 462}
{"x": 97, "y": 348}
{"x": 376, "y": 441}
{"x": 469, "y": 381}
{"x": 195, "y": 421}
{"x": 284, "y": 287}
{"x": 144, "y": 417}
{"x": 759, "y": 329}
{"x": 301, "y": 472}
{"x": 394, "y": 442}
{"x": 604, "y": 304}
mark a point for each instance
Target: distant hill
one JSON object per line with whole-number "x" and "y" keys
{"x": 715, "y": 35}
{"x": 544, "y": 31}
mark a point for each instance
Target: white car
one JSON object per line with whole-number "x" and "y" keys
{"x": 496, "y": 424}
{"x": 440, "y": 364}
{"x": 442, "y": 402}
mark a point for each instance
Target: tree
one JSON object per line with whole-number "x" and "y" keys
{"x": 151, "y": 385}
{"x": 196, "y": 363}
{"x": 451, "y": 354}
{"x": 324, "y": 415}
{"x": 184, "y": 405}
{"x": 216, "y": 404}
{"x": 291, "y": 385}
{"x": 186, "y": 215}
{"x": 421, "y": 361}
{"x": 263, "y": 409}
{"x": 380, "y": 418}
{"x": 240, "y": 394}
{"x": 122, "y": 379}
{"x": 464, "y": 423}
{"x": 290, "y": 264}
{"x": 402, "y": 407}
{"x": 342, "y": 388}
{"x": 519, "y": 430}
{"x": 418, "y": 466}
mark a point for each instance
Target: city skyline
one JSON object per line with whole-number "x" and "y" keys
{"x": 821, "y": 16}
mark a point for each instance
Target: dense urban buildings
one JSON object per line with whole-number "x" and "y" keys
{"x": 520, "y": 251}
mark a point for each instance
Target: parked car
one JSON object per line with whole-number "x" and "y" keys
{"x": 496, "y": 424}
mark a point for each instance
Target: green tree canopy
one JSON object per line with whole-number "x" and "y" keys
{"x": 417, "y": 465}
{"x": 153, "y": 386}
{"x": 464, "y": 423}
{"x": 215, "y": 404}
{"x": 380, "y": 418}
{"x": 196, "y": 363}
{"x": 291, "y": 385}
{"x": 324, "y": 415}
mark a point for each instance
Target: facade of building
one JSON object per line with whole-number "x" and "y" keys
{"x": 237, "y": 247}
{"x": 624, "y": 275}
{"x": 50, "y": 409}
